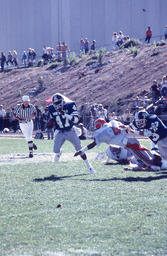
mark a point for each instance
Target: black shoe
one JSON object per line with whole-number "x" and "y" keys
{"x": 30, "y": 154}
{"x": 34, "y": 146}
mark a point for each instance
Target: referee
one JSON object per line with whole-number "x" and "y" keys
{"x": 24, "y": 113}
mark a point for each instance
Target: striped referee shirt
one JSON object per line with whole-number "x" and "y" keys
{"x": 24, "y": 113}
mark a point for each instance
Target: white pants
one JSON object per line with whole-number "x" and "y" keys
{"x": 27, "y": 130}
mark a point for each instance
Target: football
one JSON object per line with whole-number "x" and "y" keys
{"x": 51, "y": 123}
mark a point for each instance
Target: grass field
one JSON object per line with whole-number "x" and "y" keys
{"x": 113, "y": 212}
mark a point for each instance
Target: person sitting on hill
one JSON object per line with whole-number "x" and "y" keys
{"x": 83, "y": 132}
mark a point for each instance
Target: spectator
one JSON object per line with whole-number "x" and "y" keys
{"x": 101, "y": 112}
{"x": 13, "y": 121}
{"x": 10, "y": 58}
{"x": 120, "y": 38}
{"x": 37, "y": 125}
{"x": 114, "y": 41}
{"x": 59, "y": 51}
{"x": 93, "y": 116}
{"x": 84, "y": 131}
{"x": 24, "y": 58}
{"x": 50, "y": 133}
{"x": 29, "y": 57}
{"x": 112, "y": 116}
{"x": 155, "y": 92}
{"x": 164, "y": 81}
{"x": 50, "y": 53}
{"x": 148, "y": 34}
{"x": 165, "y": 33}
{"x": 2, "y": 117}
{"x": 82, "y": 45}
{"x": 137, "y": 102}
{"x": 3, "y": 59}
{"x": 45, "y": 54}
{"x": 126, "y": 117}
{"x": 164, "y": 87}
{"x": 15, "y": 60}
{"x": 86, "y": 45}
{"x": 124, "y": 39}
{"x": 33, "y": 56}
{"x": 64, "y": 50}
{"x": 145, "y": 102}
{"x": 93, "y": 46}
{"x": 44, "y": 119}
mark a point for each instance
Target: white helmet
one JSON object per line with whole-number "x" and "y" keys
{"x": 58, "y": 101}
{"x": 141, "y": 118}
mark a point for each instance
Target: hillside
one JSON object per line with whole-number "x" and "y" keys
{"x": 121, "y": 77}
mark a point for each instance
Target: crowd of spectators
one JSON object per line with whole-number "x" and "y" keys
{"x": 158, "y": 90}
{"x": 29, "y": 58}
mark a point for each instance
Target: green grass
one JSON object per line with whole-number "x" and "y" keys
{"x": 113, "y": 212}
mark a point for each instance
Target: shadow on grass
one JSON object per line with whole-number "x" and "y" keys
{"x": 162, "y": 175}
{"x": 56, "y": 178}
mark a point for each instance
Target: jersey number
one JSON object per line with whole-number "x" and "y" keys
{"x": 116, "y": 130}
{"x": 60, "y": 124}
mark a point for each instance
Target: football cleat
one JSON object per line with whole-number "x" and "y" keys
{"x": 34, "y": 146}
{"x": 90, "y": 168}
{"x": 57, "y": 156}
{"x": 30, "y": 153}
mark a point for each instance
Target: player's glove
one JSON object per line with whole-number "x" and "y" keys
{"x": 147, "y": 133}
{"x": 51, "y": 123}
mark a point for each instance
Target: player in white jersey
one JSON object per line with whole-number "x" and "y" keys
{"x": 24, "y": 113}
{"x": 119, "y": 154}
{"x": 116, "y": 133}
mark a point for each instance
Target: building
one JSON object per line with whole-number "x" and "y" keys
{"x": 34, "y": 23}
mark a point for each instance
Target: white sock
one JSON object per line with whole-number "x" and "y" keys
{"x": 90, "y": 168}
{"x": 87, "y": 163}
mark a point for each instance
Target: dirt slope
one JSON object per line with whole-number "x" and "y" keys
{"x": 115, "y": 83}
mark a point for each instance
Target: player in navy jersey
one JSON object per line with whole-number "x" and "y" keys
{"x": 65, "y": 114}
{"x": 151, "y": 126}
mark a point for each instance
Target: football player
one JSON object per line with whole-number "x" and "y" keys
{"x": 119, "y": 154}
{"x": 116, "y": 133}
{"x": 65, "y": 114}
{"x": 151, "y": 126}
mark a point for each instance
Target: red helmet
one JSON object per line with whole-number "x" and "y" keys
{"x": 99, "y": 123}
